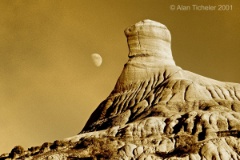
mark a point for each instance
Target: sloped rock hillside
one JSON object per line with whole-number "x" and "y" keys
{"x": 156, "y": 110}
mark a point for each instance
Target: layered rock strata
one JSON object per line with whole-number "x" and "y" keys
{"x": 157, "y": 110}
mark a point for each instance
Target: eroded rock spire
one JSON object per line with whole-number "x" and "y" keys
{"x": 151, "y": 83}
{"x": 156, "y": 110}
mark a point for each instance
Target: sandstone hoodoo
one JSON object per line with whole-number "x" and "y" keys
{"x": 152, "y": 85}
{"x": 157, "y": 110}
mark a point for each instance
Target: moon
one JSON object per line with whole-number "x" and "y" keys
{"x": 97, "y": 59}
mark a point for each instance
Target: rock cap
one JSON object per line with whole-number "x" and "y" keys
{"x": 150, "y": 38}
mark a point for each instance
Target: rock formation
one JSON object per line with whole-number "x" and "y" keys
{"x": 156, "y": 110}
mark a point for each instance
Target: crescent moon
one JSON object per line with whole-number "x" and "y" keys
{"x": 97, "y": 59}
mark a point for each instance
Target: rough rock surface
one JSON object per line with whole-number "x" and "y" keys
{"x": 156, "y": 110}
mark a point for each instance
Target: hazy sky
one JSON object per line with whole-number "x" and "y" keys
{"x": 49, "y": 85}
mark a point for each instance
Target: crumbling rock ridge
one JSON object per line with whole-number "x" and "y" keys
{"x": 156, "y": 110}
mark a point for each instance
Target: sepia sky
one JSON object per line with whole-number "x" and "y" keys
{"x": 49, "y": 85}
